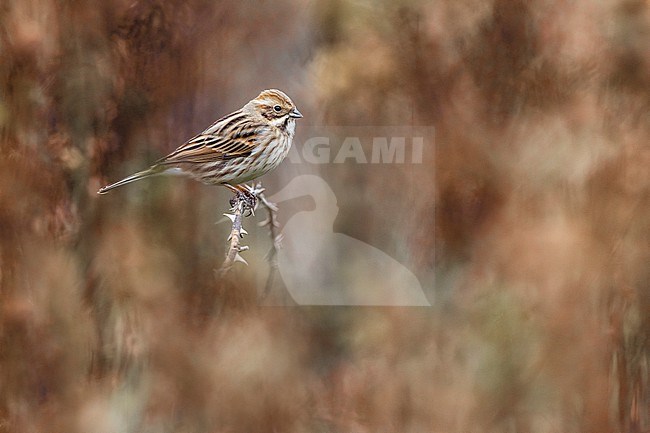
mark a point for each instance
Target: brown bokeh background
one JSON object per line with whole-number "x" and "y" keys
{"x": 528, "y": 224}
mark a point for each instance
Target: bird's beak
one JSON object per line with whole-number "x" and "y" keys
{"x": 295, "y": 113}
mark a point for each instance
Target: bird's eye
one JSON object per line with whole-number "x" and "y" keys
{"x": 277, "y": 108}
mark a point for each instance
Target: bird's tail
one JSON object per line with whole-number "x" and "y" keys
{"x": 152, "y": 171}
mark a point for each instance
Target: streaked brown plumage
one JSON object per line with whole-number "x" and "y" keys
{"x": 237, "y": 148}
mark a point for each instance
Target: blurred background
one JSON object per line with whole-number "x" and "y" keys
{"x": 527, "y": 224}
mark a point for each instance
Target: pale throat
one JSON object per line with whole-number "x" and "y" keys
{"x": 286, "y": 125}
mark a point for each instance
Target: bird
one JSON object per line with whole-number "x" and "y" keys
{"x": 237, "y": 148}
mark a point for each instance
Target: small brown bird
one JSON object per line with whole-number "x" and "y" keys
{"x": 235, "y": 149}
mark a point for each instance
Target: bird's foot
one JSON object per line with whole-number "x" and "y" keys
{"x": 246, "y": 200}
{"x": 246, "y": 196}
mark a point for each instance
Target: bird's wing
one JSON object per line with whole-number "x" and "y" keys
{"x": 229, "y": 137}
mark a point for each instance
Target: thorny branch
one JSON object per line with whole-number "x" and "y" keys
{"x": 244, "y": 204}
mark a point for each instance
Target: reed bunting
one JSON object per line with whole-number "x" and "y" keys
{"x": 235, "y": 149}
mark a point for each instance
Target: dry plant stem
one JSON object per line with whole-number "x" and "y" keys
{"x": 236, "y": 233}
{"x": 276, "y": 238}
{"x": 243, "y": 204}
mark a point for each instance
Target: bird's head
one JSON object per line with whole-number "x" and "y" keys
{"x": 276, "y": 107}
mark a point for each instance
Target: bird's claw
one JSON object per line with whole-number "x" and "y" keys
{"x": 247, "y": 200}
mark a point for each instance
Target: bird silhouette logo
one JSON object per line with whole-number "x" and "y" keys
{"x": 321, "y": 267}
